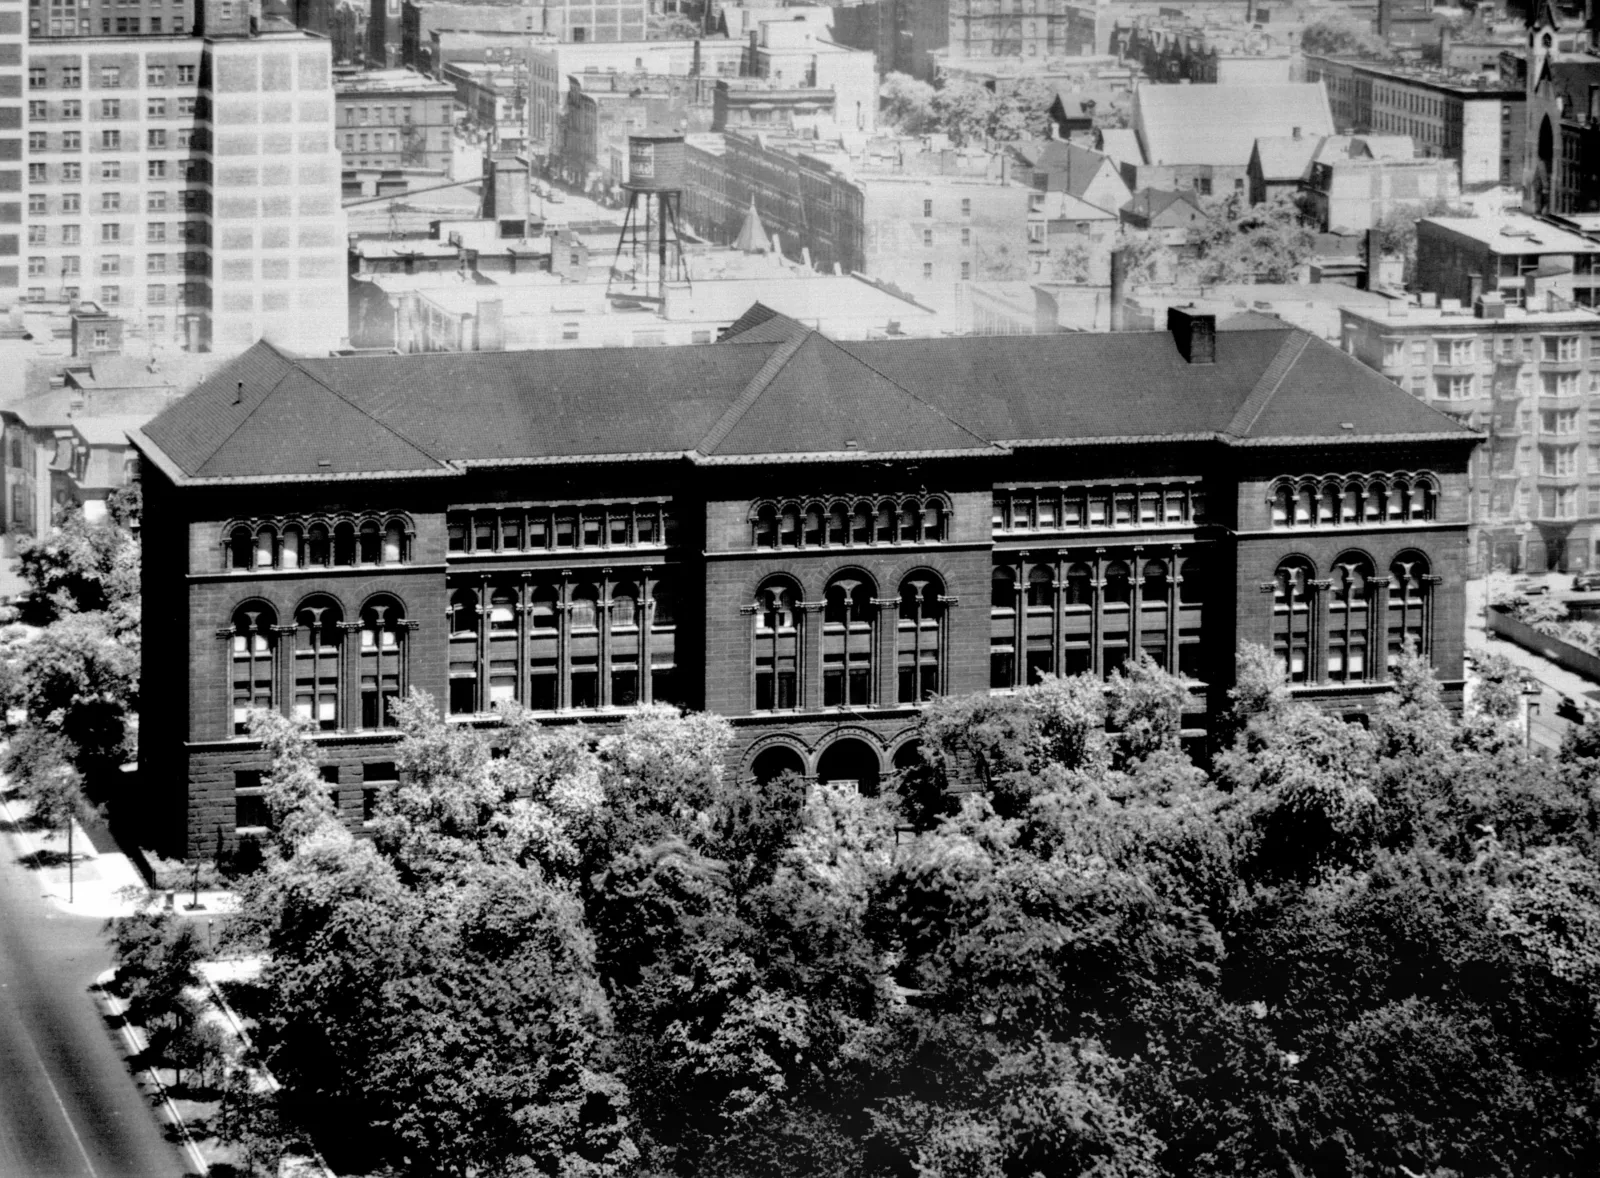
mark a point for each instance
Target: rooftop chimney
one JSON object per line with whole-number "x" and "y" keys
{"x": 1194, "y": 333}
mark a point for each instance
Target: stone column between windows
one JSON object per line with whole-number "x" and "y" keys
{"x": 602, "y": 624}
{"x": 1058, "y": 624}
{"x": 1317, "y": 639}
{"x": 282, "y": 669}
{"x": 808, "y": 655}
{"x": 1097, "y": 626}
{"x": 1269, "y": 590}
{"x": 522, "y": 692}
{"x": 1378, "y": 630}
{"x": 1425, "y": 644}
{"x": 1174, "y": 595}
{"x": 403, "y": 652}
{"x": 563, "y": 643}
{"x": 1135, "y": 598}
{"x": 1019, "y": 620}
{"x": 225, "y": 634}
{"x": 886, "y": 637}
{"x": 647, "y": 621}
{"x": 482, "y": 661}
{"x": 349, "y": 657}
{"x": 949, "y": 602}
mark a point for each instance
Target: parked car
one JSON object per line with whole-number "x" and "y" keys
{"x": 1529, "y": 587}
{"x": 1587, "y": 582}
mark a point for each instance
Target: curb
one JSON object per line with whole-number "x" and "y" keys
{"x": 134, "y": 1038}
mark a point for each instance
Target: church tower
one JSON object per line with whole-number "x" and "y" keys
{"x": 1543, "y": 131}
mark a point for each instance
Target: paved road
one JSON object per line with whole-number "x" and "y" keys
{"x": 68, "y": 1107}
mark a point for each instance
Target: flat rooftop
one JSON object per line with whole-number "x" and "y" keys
{"x": 1508, "y": 233}
{"x": 1399, "y": 314}
{"x": 388, "y": 82}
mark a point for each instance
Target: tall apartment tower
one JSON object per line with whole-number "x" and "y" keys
{"x": 189, "y": 185}
{"x": 12, "y": 40}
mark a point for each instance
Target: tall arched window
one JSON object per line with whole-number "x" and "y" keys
{"x": 383, "y": 632}
{"x": 1291, "y": 617}
{"x": 665, "y": 686}
{"x": 789, "y": 526}
{"x": 344, "y": 543}
{"x": 861, "y": 529}
{"x": 1080, "y": 585}
{"x": 318, "y": 641}
{"x": 847, "y": 642}
{"x": 777, "y": 645}
{"x": 813, "y": 534}
{"x": 319, "y": 548}
{"x": 1153, "y": 592}
{"x": 584, "y": 681}
{"x": 918, "y": 637}
{"x": 543, "y": 664}
{"x": 266, "y": 542}
{"x": 1003, "y": 588}
{"x": 463, "y": 626}
{"x": 1041, "y": 587}
{"x": 394, "y": 543}
{"x": 1349, "y": 618}
{"x": 1192, "y": 590}
{"x": 625, "y": 644}
{"x": 1003, "y": 640}
{"x": 933, "y": 522}
{"x": 289, "y": 549}
{"x": 241, "y": 548}
{"x": 500, "y": 642}
{"x": 1409, "y": 610}
{"x": 253, "y": 642}
{"x": 370, "y": 542}
{"x": 766, "y": 527}
{"x": 1118, "y": 589}
{"x": 838, "y": 524}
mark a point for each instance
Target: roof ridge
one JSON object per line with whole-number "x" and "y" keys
{"x": 368, "y": 414}
{"x": 875, "y": 370}
{"x": 781, "y": 355}
{"x": 1250, "y": 411}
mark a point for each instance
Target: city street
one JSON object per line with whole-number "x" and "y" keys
{"x": 68, "y": 1106}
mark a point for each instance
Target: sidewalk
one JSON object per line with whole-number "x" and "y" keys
{"x": 1556, "y": 681}
{"x": 95, "y": 883}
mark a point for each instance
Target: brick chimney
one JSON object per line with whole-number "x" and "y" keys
{"x": 1194, "y": 333}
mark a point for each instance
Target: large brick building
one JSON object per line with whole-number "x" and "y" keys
{"x": 805, "y": 536}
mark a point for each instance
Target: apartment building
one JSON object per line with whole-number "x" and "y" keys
{"x": 188, "y": 185}
{"x": 394, "y": 119}
{"x": 12, "y": 45}
{"x": 1530, "y": 380}
{"x": 1528, "y": 261}
{"x": 1475, "y": 122}
{"x": 105, "y": 18}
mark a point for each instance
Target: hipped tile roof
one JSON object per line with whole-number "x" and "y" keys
{"x": 772, "y": 391}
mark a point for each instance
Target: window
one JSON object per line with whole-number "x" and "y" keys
{"x": 1351, "y": 586}
{"x": 110, "y": 202}
{"x": 251, "y": 810}
{"x": 1560, "y": 348}
{"x": 185, "y": 74}
{"x": 110, "y": 77}
{"x": 927, "y": 238}
{"x": 382, "y": 660}
{"x": 1560, "y": 422}
{"x": 186, "y": 103}
{"x": 71, "y": 234}
{"x": 1409, "y": 620}
{"x": 72, "y": 171}
{"x": 36, "y": 267}
{"x": 38, "y": 174}
{"x": 927, "y": 208}
{"x": 37, "y": 140}
{"x": 1291, "y": 617}
{"x": 918, "y": 638}
{"x": 111, "y": 295}
{"x": 1454, "y": 388}
{"x": 156, "y": 170}
{"x": 110, "y": 108}
{"x": 72, "y": 141}
{"x": 777, "y": 646}
{"x": 927, "y": 269}
{"x": 38, "y": 78}
{"x": 72, "y": 108}
{"x": 156, "y": 108}
{"x": 318, "y": 646}
{"x": 1558, "y": 460}
{"x": 71, "y": 77}
{"x": 111, "y": 140}
{"x": 155, "y": 75}
{"x": 111, "y": 170}
{"x": 37, "y": 234}
{"x": 1560, "y": 384}
{"x": 849, "y": 614}
{"x": 156, "y": 139}
{"x": 1454, "y": 351}
{"x": 156, "y": 231}
{"x": 111, "y": 232}
{"x": 253, "y": 642}
{"x": 966, "y": 206}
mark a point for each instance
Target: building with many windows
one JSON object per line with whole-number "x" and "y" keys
{"x": 1530, "y": 380}
{"x": 394, "y": 119}
{"x": 107, "y": 18}
{"x": 190, "y": 185}
{"x": 1528, "y": 261}
{"x": 806, "y": 536}
{"x": 12, "y": 44}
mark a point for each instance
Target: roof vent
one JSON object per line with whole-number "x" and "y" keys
{"x": 324, "y": 462}
{"x": 238, "y": 393}
{"x": 1194, "y": 333}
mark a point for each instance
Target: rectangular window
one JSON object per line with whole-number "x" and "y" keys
{"x": 37, "y": 140}
{"x": 111, "y": 140}
{"x": 1454, "y": 388}
{"x": 110, "y": 202}
{"x": 111, "y": 232}
{"x": 110, "y": 108}
{"x": 38, "y": 78}
{"x": 1560, "y": 348}
{"x": 71, "y": 171}
{"x": 110, "y": 77}
{"x": 156, "y": 170}
{"x": 71, "y": 234}
{"x": 185, "y": 74}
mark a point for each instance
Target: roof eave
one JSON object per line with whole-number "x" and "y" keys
{"x": 770, "y": 458}
{"x": 1471, "y": 437}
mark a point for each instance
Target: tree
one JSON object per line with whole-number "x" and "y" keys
{"x": 1342, "y": 36}
{"x": 80, "y": 567}
{"x": 1397, "y": 229}
{"x": 1261, "y": 243}
{"x": 671, "y": 26}
{"x": 80, "y": 680}
{"x": 963, "y": 111}
{"x": 907, "y": 104}
{"x": 1021, "y": 113}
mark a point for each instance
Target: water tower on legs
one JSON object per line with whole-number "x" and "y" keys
{"x": 650, "y": 229}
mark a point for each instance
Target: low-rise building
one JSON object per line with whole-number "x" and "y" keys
{"x": 1530, "y": 380}
{"x": 394, "y": 119}
{"x": 603, "y": 110}
{"x": 1352, "y": 193}
{"x": 1526, "y": 260}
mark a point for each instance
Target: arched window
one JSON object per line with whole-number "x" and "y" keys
{"x": 777, "y": 646}
{"x": 1117, "y": 590}
{"x": 318, "y": 641}
{"x": 886, "y": 514}
{"x": 1291, "y": 617}
{"x": 1282, "y": 505}
{"x": 543, "y": 631}
{"x": 813, "y": 533}
{"x": 265, "y": 543}
{"x": 463, "y": 628}
{"x": 1400, "y": 501}
{"x": 1410, "y": 614}
{"x": 766, "y": 527}
{"x": 625, "y": 644}
{"x": 241, "y": 548}
{"x": 789, "y": 527}
{"x": 500, "y": 643}
{"x": 1425, "y": 505}
{"x": 1153, "y": 592}
{"x": 370, "y": 545}
{"x": 1350, "y": 592}
{"x": 662, "y": 613}
{"x": 933, "y": 522}
{"x": 383, "y": 632}
{"x": 252, "y": 647}
{"x": 664, "y": 684}
{"x": 1304, "y": 507}
{"x": 584, "y": 614}
{"x": 625, "y": 606}
{"x": 344, "y": 544}
{"x": 1041, "y": 587}
{"x": 1003, "y": 588}
{"x": 1350, "y": 504}
{"x": 861, "y": 529}
{"x": 918, "y": 637}
{"x": 584, "y": 681}
{"x": 318, "y": 547}
{"x": 838, "y": 524}
{"x": 289, "y": 548}
{"x": 909, "y": 522}
{"x": 394, "y": 542}
{"x": 1328, "y": 504}
{"x": 1080, "y": 584}
{"x": 502, "y": 609}
{"x": 1378, "y": 502}
{"x": 847, "y": 642}
{"x": 1192, "y": 589}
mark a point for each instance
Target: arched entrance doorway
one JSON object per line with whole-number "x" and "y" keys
{"x": 775, "y": 761}
{"x": 850, "y": 760}
{"x": 908, "y": 756}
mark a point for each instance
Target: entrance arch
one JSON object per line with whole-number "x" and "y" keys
{"x": 908, "y": 756}
{"x": 850, "y": 759}
{"x": 776, "y": 760}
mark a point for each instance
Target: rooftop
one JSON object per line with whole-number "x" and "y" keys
{"x": 1433, "y": 78}
{"x": 776, "y": 392}
{"x": 1220, "y": 124}
{"x": 388, "y": 82}
{"x": 1398, "y": 315}
{"x": 1509, "y": 233}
